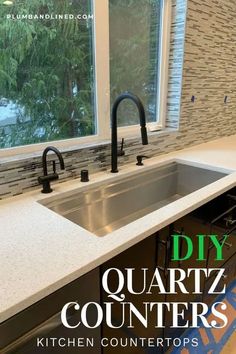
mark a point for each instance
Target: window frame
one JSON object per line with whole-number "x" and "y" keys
{"x": 102, "y": 85}
{"x": 162, "y": 72}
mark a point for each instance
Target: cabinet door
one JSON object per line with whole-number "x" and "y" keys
{"x": 82, "y": 290}
{"x": 142, "y": 255}
{"x": 189, "y": 226}
{"x": 230, "y": 271}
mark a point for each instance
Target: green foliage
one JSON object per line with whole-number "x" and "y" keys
{"x": 134, "y": 29}
{"x": 46, "y": 68}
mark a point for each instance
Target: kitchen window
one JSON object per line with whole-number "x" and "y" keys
{"x": 59, "y": 75}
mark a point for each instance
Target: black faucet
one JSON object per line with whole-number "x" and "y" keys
{"x": 137, "y": 101}
{"x": 46, "y": 178}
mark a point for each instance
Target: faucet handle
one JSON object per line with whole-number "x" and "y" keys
{"x": 121, "y": 152}
{"x": 140, "y": 159}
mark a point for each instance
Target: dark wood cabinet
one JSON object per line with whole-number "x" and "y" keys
{"x": 216, "y": 217}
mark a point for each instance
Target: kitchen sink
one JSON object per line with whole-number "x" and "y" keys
{"x": 111, "y": 205}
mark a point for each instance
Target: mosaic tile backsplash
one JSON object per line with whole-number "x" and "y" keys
{"x": 203, "y": 49}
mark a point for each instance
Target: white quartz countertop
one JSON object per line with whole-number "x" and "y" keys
{"x": 41, "y": 251}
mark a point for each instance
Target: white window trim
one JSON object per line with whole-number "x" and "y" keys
{"x": 102, "y": 66}
{"x": 163, "y": 70}
{"x": 102, "y": 84}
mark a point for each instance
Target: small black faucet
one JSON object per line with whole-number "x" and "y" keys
{"x": 137, "y": 101}
{"x": 46, "y": 178}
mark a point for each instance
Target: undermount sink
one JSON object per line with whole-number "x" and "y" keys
{"x": 111, "y": 205}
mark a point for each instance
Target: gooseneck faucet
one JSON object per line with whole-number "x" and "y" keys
{"x": 47, "y": 178}
{"x": 137, "y": 101}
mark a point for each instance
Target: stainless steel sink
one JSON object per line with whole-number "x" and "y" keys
{"x": 106, "y": 208}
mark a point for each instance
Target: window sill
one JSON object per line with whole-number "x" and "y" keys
{"x": 22, "y": 153}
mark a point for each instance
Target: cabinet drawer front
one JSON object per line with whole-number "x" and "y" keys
{"x": 229, "y": 249}
{"x": 225, "y": 219}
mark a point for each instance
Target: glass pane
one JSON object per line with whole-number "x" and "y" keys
{"x": 134, "y": 44}
{"x": 46, "y": 71}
